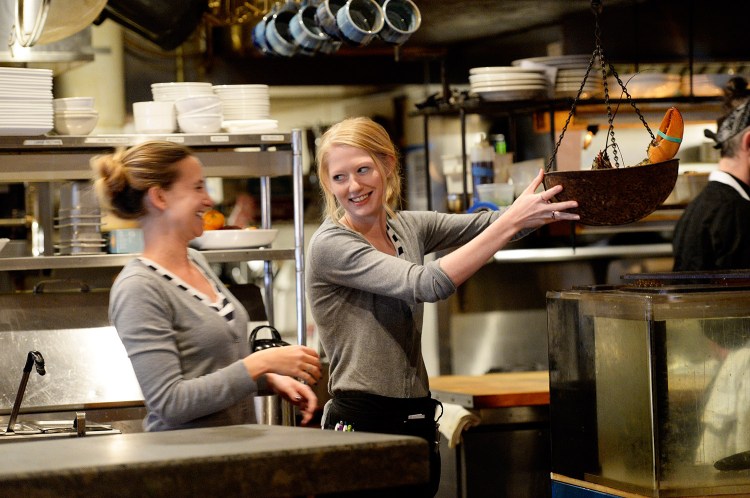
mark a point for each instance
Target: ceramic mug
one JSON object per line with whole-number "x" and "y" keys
{"x": 305, "y": 31}
{"x": 259, "y": 34}
{"x": 278, "y": 36}
{"x": 360, "y": 21}
{"x": 402, "y": 18}
{"x": 325, "y": 16}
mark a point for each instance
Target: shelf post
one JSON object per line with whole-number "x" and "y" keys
{"x": 299, "y": 234}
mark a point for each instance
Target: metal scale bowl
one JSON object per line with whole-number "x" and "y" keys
{"x": 612, "y": 196}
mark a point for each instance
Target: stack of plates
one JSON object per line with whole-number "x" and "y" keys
{"x": 169, "y": 92}
{"x": 246, "y": 108}
{"x": 569, "y": 74}
{"x": 568, "y": 82}
{"x": 647, "y": 85}
{"x": 25, "y": 101}
{"x": 500, "y": 83}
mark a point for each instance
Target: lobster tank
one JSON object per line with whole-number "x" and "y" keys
{"x": 650, "y": 385}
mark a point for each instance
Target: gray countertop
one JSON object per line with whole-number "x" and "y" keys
{"x": 245, "y": 460}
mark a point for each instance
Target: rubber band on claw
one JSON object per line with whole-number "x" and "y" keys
{"x": 669, "y": 137}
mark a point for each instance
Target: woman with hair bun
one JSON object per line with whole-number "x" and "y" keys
{"x": 184, "y": 332}
{"x": 713, "y": 233}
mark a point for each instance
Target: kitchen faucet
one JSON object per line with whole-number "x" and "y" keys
{"x": 33, "y": 358}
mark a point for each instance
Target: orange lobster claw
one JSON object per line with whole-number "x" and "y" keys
{"x": 668, "y": 137}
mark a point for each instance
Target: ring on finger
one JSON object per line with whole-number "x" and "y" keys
{"x": 554, "y": 215}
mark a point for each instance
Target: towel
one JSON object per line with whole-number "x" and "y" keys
{"x": 454, "y": 421}
{"x": 726, "y": 417}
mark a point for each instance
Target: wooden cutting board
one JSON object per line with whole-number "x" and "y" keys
{"x": 495, "y": 390}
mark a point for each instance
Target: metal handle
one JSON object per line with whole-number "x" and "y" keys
{"x": 80, "y": 284}
{"x": 29, "y": 39}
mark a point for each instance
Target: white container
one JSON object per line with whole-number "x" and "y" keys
{"x": 200, "y": 123}
{"x": 196, "y": 102}
{"x": 73, "y": 103}
{"x": 72, "y": 122}
{"x": 499, "y": 194}
{"x": 154, "y": 117}
{"x": 523, "y": 172}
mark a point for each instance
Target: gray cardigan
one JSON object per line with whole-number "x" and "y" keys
{"x": 187, "y": 358}
{"x": 368, "y": 305}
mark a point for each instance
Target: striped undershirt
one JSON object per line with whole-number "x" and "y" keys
{"x": 222, "y": 305}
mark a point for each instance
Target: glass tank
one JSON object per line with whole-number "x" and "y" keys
{"x": 650, "y": 384}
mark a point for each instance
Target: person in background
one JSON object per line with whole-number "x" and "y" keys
{"x": 367, "y": 280}
{"x": 184, "y": 332}
{"x": 713, "y": 233}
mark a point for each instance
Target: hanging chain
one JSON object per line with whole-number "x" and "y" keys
{"x": 596, "y": 7}
{"x": 570, "y": 114}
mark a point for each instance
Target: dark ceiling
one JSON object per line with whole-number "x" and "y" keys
{"x": 459, "y": 34}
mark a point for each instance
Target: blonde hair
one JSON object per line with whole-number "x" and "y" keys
{"x": 362, "y": 133}
{"x": 123, "y": 177}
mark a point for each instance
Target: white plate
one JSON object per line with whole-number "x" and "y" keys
{"x": 505, "y": 95}
{"x": 234, "y": 239}
{"x": 504, "y": 69}
{"x": 498, "y": 88}
{"x": 22, "y": 131}
{"x": 250, "y": 125}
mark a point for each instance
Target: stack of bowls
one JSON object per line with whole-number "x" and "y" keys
{"x": 79, "y": 221}
{"x": 75, "y": 115}
{"x": 246, "y": 108}
{"x": 199, "y": 113}
{"x": 173, "y": 91}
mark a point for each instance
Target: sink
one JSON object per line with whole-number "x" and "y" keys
{"x": 52, "y": 429}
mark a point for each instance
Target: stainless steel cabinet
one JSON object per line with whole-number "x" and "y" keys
{"x": 45, "y": 160}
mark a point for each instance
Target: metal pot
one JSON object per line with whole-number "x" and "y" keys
{"x": 305, "y": 30}
{"x": 278, "y": 35}
{"x": 402, "y": 18}
{"x": 325, "y": 16}
{"x": 270, "y": 409}
{"x": 47, "y": 21}
{"x": 360, "y": 21}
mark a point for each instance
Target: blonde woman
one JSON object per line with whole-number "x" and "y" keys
{"x": 185, "y": 333}
{"x": 367, "y": 279}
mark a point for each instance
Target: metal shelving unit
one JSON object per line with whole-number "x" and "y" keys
{"x": 44, "y": 160}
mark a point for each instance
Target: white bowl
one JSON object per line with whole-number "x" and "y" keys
{"x": 154, "y": 117}
{"x": 234, "y": 239}
{"x": 76, "y": 123}
{"x": 73, "y": 103}
{"x": 195, "y": 102}
{"x": 200, "y": 123}
{"x": 209, "y": 109}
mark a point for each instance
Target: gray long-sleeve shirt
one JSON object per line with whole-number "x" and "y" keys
{"x": 368, "y": 305}
{"x": 186, "y": 357}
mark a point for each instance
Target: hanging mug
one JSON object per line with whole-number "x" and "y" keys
{"x": 325, "y": 17}
{"x": 278, "y": 37}
{"x": 305, "y": 30}
{"x": 360, "y": 21}
{"x": 259, "y": 33}
{"x": 401, "y": 19}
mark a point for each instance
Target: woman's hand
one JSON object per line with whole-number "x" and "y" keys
{"x": 296, "y": 393}
{"x": 300, "y": 362}
{"x": 531, "y": 210}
